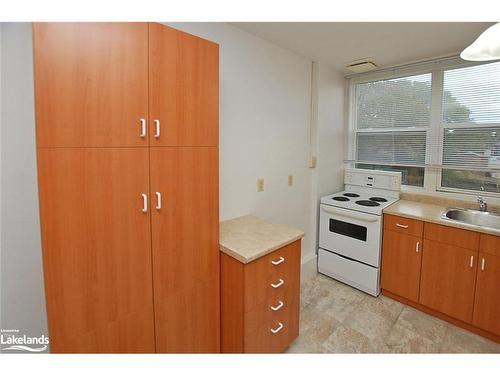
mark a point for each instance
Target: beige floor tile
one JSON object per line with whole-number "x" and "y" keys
{"x": 403, "y": 340}
{"x": 457, "y": 340}
{"x": 424, "y": 325}
{"x": 347, "y": 340}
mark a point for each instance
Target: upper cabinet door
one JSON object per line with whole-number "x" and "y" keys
{"x": 91, "y": 84}
{"x": 184, "y": 88}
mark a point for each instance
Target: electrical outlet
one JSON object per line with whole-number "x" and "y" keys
{"x": 313, "y": 162}
{"x": 260, "y": 184}
{"x": 290, "y": 180}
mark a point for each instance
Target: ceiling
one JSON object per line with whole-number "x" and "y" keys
{"x": 389, "y": 43}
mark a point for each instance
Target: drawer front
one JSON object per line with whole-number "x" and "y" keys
{"x": 263, "y": 279}
{"x": 277, "y": 333}
{"x": 403, "y": 225}
{"x": 489, "y": 244}
{"x": 452, "y": 236}
{"x": 275, "y": 307}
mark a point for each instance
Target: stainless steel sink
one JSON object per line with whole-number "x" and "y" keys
{"x": 472, "y": 217}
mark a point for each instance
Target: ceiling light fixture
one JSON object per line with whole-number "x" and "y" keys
{"x": 486, "y": 47}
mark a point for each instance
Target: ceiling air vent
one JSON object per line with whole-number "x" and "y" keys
{"x": 361, "y": 66}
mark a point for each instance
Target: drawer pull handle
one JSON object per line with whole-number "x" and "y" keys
{"x": 279, "y": 261}
{"x": 401, "y": 225}
{"x": 471, "y": 264}
{"x": 144, "y": 202}
{"x": 278, "y": 284}
{"x": 279, "y": 328}
{"x": 417, "y": 247}
{"x": 483, "y": 264}
{"x": 278, "y": 306}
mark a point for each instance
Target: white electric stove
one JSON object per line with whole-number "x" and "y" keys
{"x": 350, "y": 232}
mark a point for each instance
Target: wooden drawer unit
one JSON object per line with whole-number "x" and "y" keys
{"x": 403, "y": 225}
{"x": 260, "y": 301}
{"x": 271, "y": 274}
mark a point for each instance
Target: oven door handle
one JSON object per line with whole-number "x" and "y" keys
{"x": 349, "y": 214}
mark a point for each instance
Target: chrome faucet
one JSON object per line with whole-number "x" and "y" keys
{"x": 483, "y": 207}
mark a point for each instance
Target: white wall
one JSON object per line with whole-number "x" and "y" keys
{"x": 264, "y": 128}
{"x": 22, "y": 293}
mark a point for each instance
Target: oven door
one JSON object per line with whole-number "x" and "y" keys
{"x": 353, "y": 234}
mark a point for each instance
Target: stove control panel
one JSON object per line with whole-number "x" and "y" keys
{"x": 373, "y": 178}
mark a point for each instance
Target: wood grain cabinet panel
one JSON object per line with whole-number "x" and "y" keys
{"x": 252, "y": 309}
{"x": 184, "y": 88}
{"x": 452, "y": 236}
{"x": 490, "y": 244}
{"x": 91, "y": 83}
{"x": 487, "y": 299}
{"x": 96, "y": 250}
{"x": 401, "y": 263}
{"x": 448, "y": 279}
{"x": 185, "y": 233}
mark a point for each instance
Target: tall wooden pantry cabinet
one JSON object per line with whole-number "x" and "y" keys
{"x": 127, "y": 142}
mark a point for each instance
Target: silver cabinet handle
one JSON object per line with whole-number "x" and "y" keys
{"x": 143, "y": 128}
{"x": 144, "y": 203}
{"x": 471, "y": 264}
{"x": 278, "y": 306}
{"x": 279, "y": 261}
{"x": 483, "y": 264}
{"x": 157, "y": 127}
{"x": 280, "y": 327}
{"x": 401, "y": 225}
{"x": 417, "y": 247}
{"x": 158, "y": 200}
{"x": 277, "y": 285}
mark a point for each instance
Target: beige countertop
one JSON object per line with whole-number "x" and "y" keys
{"x": 430, "y": 213}
{"x": 248, "y": 237}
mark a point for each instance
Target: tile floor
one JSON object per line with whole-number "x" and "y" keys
{"x": 336, "y": 318}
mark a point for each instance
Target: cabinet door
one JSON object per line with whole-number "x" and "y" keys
{"x": 184, "y": 88}
{"x": 96, "y": 249}
{"x": 448, "y": 279}
{"x": 487, "y": 306}
{"x": 185, "y": 231}
{"x": 91, "y": 83}
{"x": 401, "y": 263}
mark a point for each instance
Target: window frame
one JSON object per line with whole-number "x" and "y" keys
{"x": 434, "y": 132}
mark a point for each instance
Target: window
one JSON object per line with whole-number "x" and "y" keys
{"x": 439, "y": 125}
{"x": 471, "y": 128}
{"x": 392, "y": 120}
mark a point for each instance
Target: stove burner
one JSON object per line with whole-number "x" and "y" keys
{"x": 353, "y": 195}
{"x": 367, "y": 203}
{"x": 378, "y": 199}
{"x": 343, "y": 199}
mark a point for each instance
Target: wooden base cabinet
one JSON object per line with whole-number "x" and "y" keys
{"x": 487, "y": 300}
{"x": 260, "y": 302}
{"x": 456, "y": 276}
{"x": 130, "y": 232}
{"x": 402, "y": 257}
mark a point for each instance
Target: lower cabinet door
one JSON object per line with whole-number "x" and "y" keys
{"x": 401, "y": 263}
{"x": 487, "y": 301}
{"x": 448, "y": 279}
{"x": 97, "y": 249}
{"x": 185, "y": 235}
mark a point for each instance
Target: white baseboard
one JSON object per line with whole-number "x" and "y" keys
{"x": 309, "y": 267}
